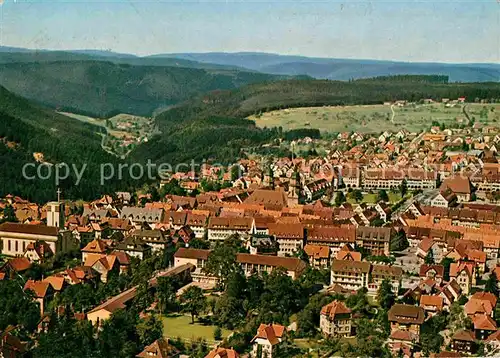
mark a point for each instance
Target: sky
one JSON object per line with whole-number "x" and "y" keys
{"x": 454, "y": 31}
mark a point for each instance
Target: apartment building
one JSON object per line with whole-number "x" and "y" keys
{"x": 220, "y": 228}
{"x": 290, "y": 237}
{"x": 407, "y": 319}
{"x": 375, "y": 240}
{"x": 334, "y": 237}
{"x": 351, "y": 275}
{"x": 197, "y": 223}
{"x": 380, "y": 273}
{"x": 319, "y": 256}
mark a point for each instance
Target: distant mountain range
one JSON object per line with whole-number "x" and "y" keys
{"x": 342, "y": 69}
{"x": 319, "y": 68}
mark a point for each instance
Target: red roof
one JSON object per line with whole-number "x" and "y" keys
{"x": 272, "y": 332}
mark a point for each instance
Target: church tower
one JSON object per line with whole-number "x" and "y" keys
{"x": 55, "y": 212}
{"x": 293, "y": 189}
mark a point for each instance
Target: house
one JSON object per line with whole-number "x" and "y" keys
{"x": 484, "y": 326}
{"x": 197, "y": 223}
{"x": 319, "y": 256}
{"x": 95, "y": 247}
{"x": 463, "y": 342}
{"x": 384, "y": 211}
{"x": 429, "y": 244}
{"x": 266, "y": 341}
{"x": 293, "y": 266}
{"x": 444, "y": 199}
{"x": 464, "y": 274}
{"x": 435, "y": 272}
{"x": 134, "y": 247}
{"x": 379, "y": 273}
{"x": 153, "y": 238}
{"x": 481, "y": 303}
{"x": 160, "y": 348}
{"x": 406, "y": 318}
{"x": 450, "y": 292}
{"x": 335, "y": 319}
{"x": 15, "y": 266}
{"x": 460, "y": 186}
{"x": 140, "y": 215}
{"x": 10, "y": 345}
{"x": 492, "y": 343}
{"x": 348, "y": 253}
{"x": 42, "y": 291}
{"x": 103, "y": 264}
{"x": 222, "y": 353}
{"x": 290, "y": 237}
{"x": 431, "y": 304}
{"x": 38, "y": 251}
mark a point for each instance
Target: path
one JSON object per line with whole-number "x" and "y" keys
{"x": 393, "y": 113}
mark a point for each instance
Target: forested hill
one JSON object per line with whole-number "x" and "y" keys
{"x": 26, "y": 129}
{"x": 102, "y": 89}
{"x": 213, "y": 125}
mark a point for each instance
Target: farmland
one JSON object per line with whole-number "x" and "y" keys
{"x": 377, "y": 118}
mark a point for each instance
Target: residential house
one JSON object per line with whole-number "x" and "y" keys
{"x": 222, "y": 353}
{"x": 484, "y": 326}
{"x": 336, "y": 319}
{"x": 375, "y": 240}
{"x": 460, "y": 186}
{"x": 431, "y": 304}
{"x": 319, "y": 256}
{"x": 406, "y": 318}
{"x": 464, "y": 274}
{"x": 463, "y": 342}
{"x": 266, "y": 342}
{"x": 160, "y": 348}
{"x": 134, "y": 247}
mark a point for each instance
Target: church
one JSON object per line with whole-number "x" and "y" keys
{"x": 15, "y": 238}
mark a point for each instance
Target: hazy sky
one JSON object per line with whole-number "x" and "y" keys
{"x": 409, "y": 30}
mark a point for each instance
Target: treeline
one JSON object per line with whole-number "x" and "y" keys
{"x": 409, "y": 78}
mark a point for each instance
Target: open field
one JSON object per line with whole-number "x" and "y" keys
{"x": 372, "y": 198}
{"x": 375, "y": 118}
{"x": 180, "y": 326}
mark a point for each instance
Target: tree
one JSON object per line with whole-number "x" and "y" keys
{"x": 429, "y": 258}
{"x": 382, "y": 196}
{"x": 399, "y": 242}
{"x": 149, "y": 329}
{"x": 492, "y": 284}
{"x": 404, "y": 188}
{"x": 9, "y": 214}
{"x": 385, "y": 295}
{"x": 222, "y": 261}
{"x": 446, "y": 262}
{"x": 166, "y": 293}
{"x": 357, "y": 195}
{"x": 217, "y": 333}
{"x": 193, "y": 301}
{"x": 339, "y": 198}
{"x": 235, "y": 173}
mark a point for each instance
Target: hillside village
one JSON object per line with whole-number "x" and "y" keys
{"x": 388, "y": 245}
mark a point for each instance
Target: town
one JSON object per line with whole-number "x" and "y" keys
{"x": 385, "y": 244}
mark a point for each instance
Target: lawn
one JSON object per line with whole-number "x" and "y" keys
{"x": 373, "y": 118}
{"x": 371, "y": 198}
{"x": 180, "y": 326}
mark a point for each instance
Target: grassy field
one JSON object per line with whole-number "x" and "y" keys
{"x": 180, "y": 326}
{"x": 372, "y": 198}
{"x": 374, "y": 118}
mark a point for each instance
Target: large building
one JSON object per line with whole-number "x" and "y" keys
{"x": 16, "y": 238}
{"x": 375, "y": 240}
{"x": 351, "y": 275}
{"x": 290, "y": 237}
{"x": 221, "y": 228}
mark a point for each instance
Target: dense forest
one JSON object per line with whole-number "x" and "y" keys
{"x": 26, "y": 129}
{"x": 102, "y": 89}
